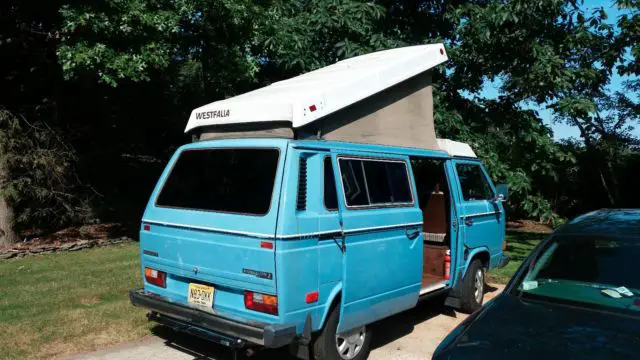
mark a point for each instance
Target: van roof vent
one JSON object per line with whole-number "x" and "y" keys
{"x": 301, "y": 201}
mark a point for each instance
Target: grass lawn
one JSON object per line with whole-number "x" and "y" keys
{"x": 56, "y": 304}
{"x": 519, "y": 244}
{"x": 52, "y": 305}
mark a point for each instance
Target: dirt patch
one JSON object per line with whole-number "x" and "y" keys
{"x": 529, "y": 226}
{"x": 88, "y": 300}
{"x": 75, "y": 233}
{"x": 69, "y": 239}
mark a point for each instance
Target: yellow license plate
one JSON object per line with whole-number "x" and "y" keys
{"x": 201, "y": 295}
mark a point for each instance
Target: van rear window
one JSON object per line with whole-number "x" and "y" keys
{"x": 224, "y": 180}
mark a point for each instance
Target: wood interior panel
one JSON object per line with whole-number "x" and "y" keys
{"x": 433, "y": 263}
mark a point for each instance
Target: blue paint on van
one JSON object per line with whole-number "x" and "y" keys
{"x": 313, "y": 252}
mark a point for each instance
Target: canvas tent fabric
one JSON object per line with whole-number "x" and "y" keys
{"x": 381, "y": 98}
{"x": 401, "y": 115}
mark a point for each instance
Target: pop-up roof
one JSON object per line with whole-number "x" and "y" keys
{"x": 382, "y": 97}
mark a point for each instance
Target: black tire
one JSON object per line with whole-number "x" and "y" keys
{"x": 471, "y": 287}
{"x": 325, "y": 345}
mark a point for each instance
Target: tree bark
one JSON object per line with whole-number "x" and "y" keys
{"x": 7, "y": 234}
{"x": 606, "y": 188}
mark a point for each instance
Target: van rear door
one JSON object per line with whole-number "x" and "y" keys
{"x": 211, "y": 220}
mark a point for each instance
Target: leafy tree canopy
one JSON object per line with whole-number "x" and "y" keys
{"x": 107, "y": 85}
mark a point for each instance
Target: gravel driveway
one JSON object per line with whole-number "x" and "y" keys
{"x": 413, "y": 334}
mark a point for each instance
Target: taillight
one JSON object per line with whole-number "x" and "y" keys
{"x": 504, "y": 245}
{"x": 261, "y": 302}
{"x": 311, "y": 297}
{"x": 155, "y": 277}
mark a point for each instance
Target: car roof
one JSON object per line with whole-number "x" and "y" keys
{"x": 617, "y": 222}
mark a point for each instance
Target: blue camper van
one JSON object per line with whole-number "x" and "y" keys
{"x": 265, "y": 239}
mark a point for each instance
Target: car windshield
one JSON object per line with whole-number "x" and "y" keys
{"x": 592, "y": 271}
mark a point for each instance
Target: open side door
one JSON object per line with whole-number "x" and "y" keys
{"x": 481, "y": 217}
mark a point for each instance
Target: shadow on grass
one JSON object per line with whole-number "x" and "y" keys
{"x": 524, "y": 237}
{"x": 520, "y": 244}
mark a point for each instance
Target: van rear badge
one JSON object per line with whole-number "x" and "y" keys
{"x": 212, "y": 114}
{"x": 195, "y": 270}
{"x": 260, "y": 274}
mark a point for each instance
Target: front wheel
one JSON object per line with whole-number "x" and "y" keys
{"x": 472, "y": 288}
{"x": 351, "y": 345}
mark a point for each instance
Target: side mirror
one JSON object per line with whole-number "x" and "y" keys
{"x": 502, "y": 192}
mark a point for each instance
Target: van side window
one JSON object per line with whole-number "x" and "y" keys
{"x": 330, "y": 195}
{"x": 473, "y": 183}
{"x": 375, "y": 182}
{"x": 355, "y": 188}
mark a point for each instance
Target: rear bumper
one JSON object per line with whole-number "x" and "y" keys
{"x": 504, "y": 260}
{"x": 209, "y": 326}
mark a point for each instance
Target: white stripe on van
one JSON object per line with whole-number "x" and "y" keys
{"x": 287, "y": 236}
{"x": 226, "y": 231}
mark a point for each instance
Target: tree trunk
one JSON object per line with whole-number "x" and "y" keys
{"x": 607, "y": 191}
{"x": 7, "y": 234}
{"x": 614, "y": 183}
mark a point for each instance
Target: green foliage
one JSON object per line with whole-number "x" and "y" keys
{"x": 119, "y": 39}
{"x": 40, "y": 184}
{"x": 122, "y": 75}
{"x": 305, "y": 35}
{"x": 629, "y": 37}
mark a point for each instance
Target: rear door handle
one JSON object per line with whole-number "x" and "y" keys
{"x": 468, "y": 221}
{"x": 412, "y": 234}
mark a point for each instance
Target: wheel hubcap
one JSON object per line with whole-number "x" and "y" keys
{"x": 479, "y": 286}
{"x": 350, "y": 343}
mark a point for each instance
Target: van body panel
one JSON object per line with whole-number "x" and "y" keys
{"x": 457, "y": 246}
{"x": 219, "y": 249}
{"x": 333, "y": 291}
{"x": 482, "y": 221}
{"x": 308, "y": 258}
{"x": 472, "y": 254}
{"x": 378, "y": 235}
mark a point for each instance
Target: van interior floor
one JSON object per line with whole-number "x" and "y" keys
{"x": 428, "y": 279}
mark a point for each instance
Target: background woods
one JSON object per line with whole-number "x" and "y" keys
{"x": 94, "y": 95}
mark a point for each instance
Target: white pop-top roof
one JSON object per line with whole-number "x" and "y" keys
{"x": 310, "y": 96}
{"x": 456, "y": 148}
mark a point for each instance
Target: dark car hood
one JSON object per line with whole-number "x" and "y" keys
{"x": 509, "y": 327}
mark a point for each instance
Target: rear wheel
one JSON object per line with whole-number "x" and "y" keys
{"x": 472, "y": 288}
{"x": 351, "y": 345}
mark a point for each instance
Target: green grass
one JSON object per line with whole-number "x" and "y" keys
{"x": 519, "y": 244}
{"x": 56, "y": 304}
